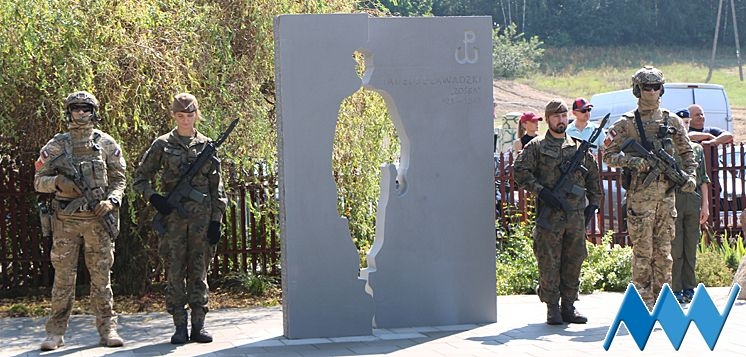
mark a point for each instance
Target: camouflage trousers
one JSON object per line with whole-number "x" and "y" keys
{"x": 559, "y": 254}
{"x": 69, "y": 233}
{"x": 187, "y": 253}
{"x": 651, "y": 214}
{"x": 684, "y": 246}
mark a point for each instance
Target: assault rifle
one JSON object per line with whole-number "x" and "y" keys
{"x": 564, "y": 185}
{"x": 91, "y": 196}
{"x": 184, "y": 187}
{"x": 660, "y": 162}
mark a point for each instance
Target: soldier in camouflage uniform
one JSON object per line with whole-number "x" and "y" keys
{"x": 189, "y": 242}
{"x": 98, "y": 158}
{"x": 651, "y": 210}
{"x": 560, "y": 250}
{"x": 693, "y": 211}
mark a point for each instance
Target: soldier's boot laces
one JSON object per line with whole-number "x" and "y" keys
{"x": 553, "y": 314}
{"x": 200, "y": 335}
{"x": 111, "y": 338}
{"x": 571, "y": 315}
{"x": 52, "y": 342}
{"x": 181, "y": 336}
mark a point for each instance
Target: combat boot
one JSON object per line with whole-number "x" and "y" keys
{"x": 200, "y": 335}
{"x": 107, "y": 329}
{"x": 181, "y": 336}
{"x": 554, "y": 317}
{"x": 572, "y": 316}
{"x": 111, "y": 338}
{"x": 198, "y": 327}
{"x": 52, "y": 342}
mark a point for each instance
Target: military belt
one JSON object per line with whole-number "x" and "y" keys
{"x": 69, "y": 207}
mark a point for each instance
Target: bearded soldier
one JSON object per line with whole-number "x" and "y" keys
{"x": 91, "y": 157}
{"x": 651, "y": 209}
{"x": 559, "y": 244}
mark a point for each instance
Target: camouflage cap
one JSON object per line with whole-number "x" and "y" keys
{"x": 555, "y": 106}
{"x": 184, "y": 102}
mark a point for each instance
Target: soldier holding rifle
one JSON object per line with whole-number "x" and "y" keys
{"x": 85, "y": 170}
{"x": 189, "y": 212}
{"x": 563, "y": 176}
{"x": 644, "y": 142}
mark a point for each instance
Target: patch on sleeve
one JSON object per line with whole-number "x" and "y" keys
{"x": 610, "y": 137}
{"x": 43, "y": 156}
{"x": 117, "y": 152}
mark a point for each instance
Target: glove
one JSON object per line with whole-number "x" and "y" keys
{"x": 590, "y": 210}
{"x": 161, "y": 204}
{"x": 103, "y": 207}
{"x": 66, "y": 186}
{"x": 690, "y": 185}
{"x": 638, "y": 163}
{"x": 549, "y": 198}
{"x": 213, "y": 232}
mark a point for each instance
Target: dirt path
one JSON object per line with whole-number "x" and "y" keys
{"x": 516, "y": 97}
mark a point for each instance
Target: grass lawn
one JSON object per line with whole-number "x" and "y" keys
{"x": 584, "y": 71}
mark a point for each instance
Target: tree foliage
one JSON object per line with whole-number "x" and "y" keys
{"x": 356, "y": 162}
{"x": 602, "y": 22}
{"x": 513, "y": 55}
{"x": 134, "y": 55}
{"x": 408, "y": 7}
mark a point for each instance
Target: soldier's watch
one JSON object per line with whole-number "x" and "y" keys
{"x": 114, "y": 201}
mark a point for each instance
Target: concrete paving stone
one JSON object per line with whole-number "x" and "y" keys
{"x": 519, "y": 331}
{"x": 354, "y": 339}
{"x": 304, "y": 341}
{"x": 463, "y": 327}
{"x": 401, "y": 336}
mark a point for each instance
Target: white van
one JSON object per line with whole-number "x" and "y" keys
{"x": 677, "y": 96}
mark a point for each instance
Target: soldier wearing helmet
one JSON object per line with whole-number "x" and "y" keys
{"x": 98, "y": 161}
{"x": 651, "y": 211}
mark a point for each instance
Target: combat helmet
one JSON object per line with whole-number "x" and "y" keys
{"x": 646, "y": 75}
{"x": 81, "y": 97}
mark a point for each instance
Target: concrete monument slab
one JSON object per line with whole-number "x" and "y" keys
{"x": 433, "y": 259}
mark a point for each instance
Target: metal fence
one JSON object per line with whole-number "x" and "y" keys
{"x": 724, "y": 166}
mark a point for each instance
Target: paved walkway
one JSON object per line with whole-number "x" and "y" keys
{"x": 520, "y": 331}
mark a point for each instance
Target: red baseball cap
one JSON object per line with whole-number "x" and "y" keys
{"x": 581, "y": 103}
{"x": 530, "y": 116}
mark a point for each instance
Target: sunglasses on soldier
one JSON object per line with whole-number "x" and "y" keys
{"x": 84, "y": 108}
{"x": 651, "y": 87}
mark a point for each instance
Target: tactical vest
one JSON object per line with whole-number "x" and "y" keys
{"x": 90, "y": 159}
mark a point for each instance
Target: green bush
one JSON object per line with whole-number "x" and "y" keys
{"x": 240, "y": 282}
{"x": 606, "y": 268}
{"x": 513, "y": 55}
{"x": 516, "y": 271}
{"x": 711, "y": 269}
{"x": 717, "y": 262}
{"x": 134, "y": 55}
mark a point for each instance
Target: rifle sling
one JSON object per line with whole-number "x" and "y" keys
{"x": 640, "y": 130}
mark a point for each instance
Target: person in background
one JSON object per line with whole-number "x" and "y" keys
{"x": 710, "y": 135}
{"x": 559, "y": 250}
{"x": 692, "y": 212}
{"x": 190, "y": 240}
{"x": 528, "y": 128}
{"x": 98, "y": 159}
{"x": 581, "y": 127}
